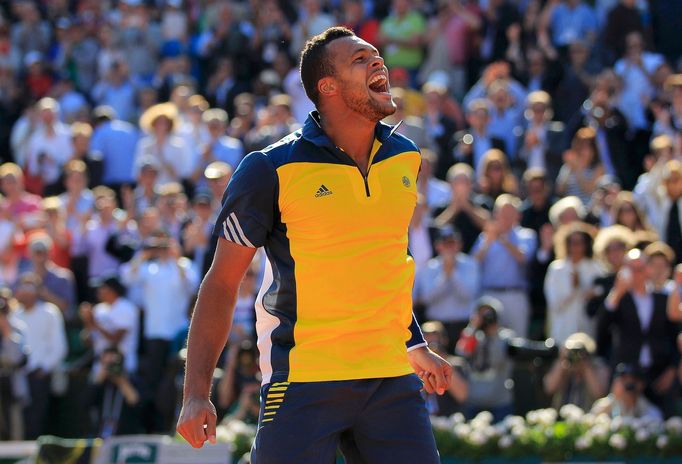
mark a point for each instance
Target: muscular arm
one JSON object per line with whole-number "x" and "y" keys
{"x": 215, "y": 302}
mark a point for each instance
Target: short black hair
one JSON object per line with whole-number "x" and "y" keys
{"x": 315, "y": 62}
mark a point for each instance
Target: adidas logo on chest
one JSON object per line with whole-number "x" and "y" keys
{"x": 323, "y": 191}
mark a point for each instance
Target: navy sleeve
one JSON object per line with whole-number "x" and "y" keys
{"x": 248, "y": 211}
{"x": 417, "y": 338}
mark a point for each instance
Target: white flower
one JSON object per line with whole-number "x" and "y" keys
{"x": 616, "y": 423}
{"x": 518, "y": 431}
{"x": 642, "y": 435}
{"x": 490, "y": 431}
{"x": 441, "y": 422}
{"x": 602, "y": 419}
{"x": 505, "y": 442}
{"x": 476, "y": 437}
{"x": 462, "y": 430}
{"x": 617, "y": 441}
{"x": 662, "y": 441}
{"x": 599, "y": 431}
{"x": 484, "y": 417}
{"x": 511, "y": 421}
{"x": 548, "y": 417}
{"x": 674, "y": 424}
{"x": 583, "y": 442}
{"x": 588, "y": 419}
{"x": 458, "y": 418}
{"x": 571, "y": 413}
{"x": 532, "y": 417}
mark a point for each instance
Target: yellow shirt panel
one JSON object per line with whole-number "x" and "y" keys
{"x": 353, "y": 275}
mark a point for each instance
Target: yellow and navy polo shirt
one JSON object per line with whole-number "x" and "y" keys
{"x": 336, "y": 300}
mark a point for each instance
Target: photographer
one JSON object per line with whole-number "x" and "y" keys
{"x": 577, "y": 377}
{"x": 113, "y": 398}
{"x": 112, "y": 322}
{"x": 485, "y": 347}
{"x": 626, "y": 398}
{"x": 166, "y": 282}
{"x": 12, "y": 357}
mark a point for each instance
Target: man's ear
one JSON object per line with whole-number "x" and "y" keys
{"x": 327, "y": 86}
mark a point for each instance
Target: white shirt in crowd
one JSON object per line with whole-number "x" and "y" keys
{"x": 165, "y": 294}
{"x": 565, "y": 304}
{"x": 46, "y": 154}
{"x": 45, "y": 336}
{"x": 121, "y": 315}
{"x": 174, "y": 153}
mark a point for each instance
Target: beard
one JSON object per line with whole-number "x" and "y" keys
{"x": 356, "y": 98}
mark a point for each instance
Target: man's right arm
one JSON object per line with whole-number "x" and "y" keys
{"x": 208, "y": 332}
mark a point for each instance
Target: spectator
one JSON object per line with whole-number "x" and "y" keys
{"x": 623, "y": 19}
{"x": 111, "y": 323}
{"x": 81, "y": 135}
{"x": 78, "y": 201}
{"x": 311, "y": 21}
{"x": 139, "y": 38}
{"x": 57, "y": 283}
{"x": 578, "y": 377}
{"x": 504, "y": 250}
{"x": 197, "y": 232}
{"x": 484, "y": 345}
{"x": 356, "y": 19}
{"x": 449, "y": 284}
{"x": 498, "y": 18}
{"x": 643, "y": 335}
{"x": 170, "y": 151}
{"x": 473, "y": 143}
{"x": 241, "y": 372}
{"x": 218, "y": 175}
{"x": 419, "y": 234}
{"x": 569, "y": 283}
{"x": 664, "y": 202}
{"x": 167, "y": 282}
{"x": 114, "y": 141}
{"x": 660, "y": 260}
{"x": 610, "y": 246}
{"x": 496, "y": 177}
{"x": 116, "y": 90}
{"x": 626, "y": 398}
{"x": 581, "y": 169}
{"x": 145, "y": 194}
{"x": 438, "y": 127}
{"x": 625, "y": 212}
{"x": 574, "y": 86}
{"x": 636, "y": 68}
{"x": 219, "y": 146}
{"x": 18, "y": 203}
{"x": 465, "y": 211}
{"x": 541, "y": 141}
{"x": 46, "y": 341}
{"x": 113, "y": 398}
{"x": 401, "y": 36}
{"x": 12, "y": 358}
{"x": 646, "y": 191}
{"x": 49, "y": 148}
{"x": 570, "y": 20}
{"x": 437, "y": 193}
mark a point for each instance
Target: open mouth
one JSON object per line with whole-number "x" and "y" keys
{"x": 379, "y": 83}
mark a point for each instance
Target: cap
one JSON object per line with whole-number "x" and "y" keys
{"x": 673, "y": 81}
{"x": 32, "y": 58}
{"x": 447, "y": 232}
{"x": 628, "y": 369}
{"x": 202, "y": 197}
{"x": 539, "y": 97}
{"x": 606, "y": 181}
{"x": 149, "y": 162}
{"x": 109, "y": 281}
{"x": 489, "y": 302}
{"x": 40, "y": 243}
{"x": 661, "y": 142}
{"x": 104, "y": 112}
{"x": 217, "y": 170}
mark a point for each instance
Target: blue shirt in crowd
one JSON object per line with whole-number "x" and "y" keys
{"x": 499, "y": 269}
{"x": 116, "y": 142}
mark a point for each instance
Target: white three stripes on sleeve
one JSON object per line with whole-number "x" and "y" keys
{"x": 233, "y": 231}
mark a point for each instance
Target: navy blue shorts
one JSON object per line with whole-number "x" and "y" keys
{"x": 372, "y": 421}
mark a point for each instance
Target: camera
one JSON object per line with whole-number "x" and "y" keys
{"x": 576, "y": 355}
{"x": 630, "y": 386}
{"x": 488, "y": 318}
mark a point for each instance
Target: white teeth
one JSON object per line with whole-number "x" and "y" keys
{"x": 377, "y": 78}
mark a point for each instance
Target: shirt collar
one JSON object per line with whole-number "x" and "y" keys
{"x": 313, "y": 132}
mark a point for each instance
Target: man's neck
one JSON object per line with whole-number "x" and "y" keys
{"x": 352, "y": 134}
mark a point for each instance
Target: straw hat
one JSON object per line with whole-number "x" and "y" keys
{"x": 161, "y": 110}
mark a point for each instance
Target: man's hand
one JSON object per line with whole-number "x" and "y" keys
{"x": 197, "y": 422}
{"x": 435, "y": 372}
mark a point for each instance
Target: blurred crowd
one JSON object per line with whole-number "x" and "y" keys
{"x": 545, "y": 238}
